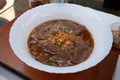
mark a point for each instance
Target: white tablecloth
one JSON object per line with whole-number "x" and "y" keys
{"x": 116, "y": 75}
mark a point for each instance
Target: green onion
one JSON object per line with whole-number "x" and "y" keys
{"x": 49, "y": 63}
{"x": 61, "y": 30}
{"x": 58, "y": 43}
{"x": 92, "y": 46}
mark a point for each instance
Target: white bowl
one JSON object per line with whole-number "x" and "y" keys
{"x": 25, "y": 23}
{"x": 115, "y": 26}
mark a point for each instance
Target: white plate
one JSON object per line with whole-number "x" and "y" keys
{"x": 25, "y": 23}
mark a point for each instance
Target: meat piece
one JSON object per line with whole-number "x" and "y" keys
{"x": 80, "y": 54}
{"x": 78, "y": 40}
{"x": 42, "y": 57}
{"x": 42, "y": 43}
{"x": 52, "y": 48}
{"x": 46, "y": 30}
{"x": 48, "y": 46}
{"x": 61, "y": 60}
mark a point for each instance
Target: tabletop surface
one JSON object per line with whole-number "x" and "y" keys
{"x": 103, "y": 71}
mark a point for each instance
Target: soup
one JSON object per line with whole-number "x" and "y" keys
{"x": 60, "y": 43}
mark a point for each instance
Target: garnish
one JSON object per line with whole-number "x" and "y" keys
{"x": 49, "y": 63}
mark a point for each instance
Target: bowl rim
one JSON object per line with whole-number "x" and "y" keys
{"x": 115, "y": 26}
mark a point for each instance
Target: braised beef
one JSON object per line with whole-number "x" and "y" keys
{"x": 60, "y": 43}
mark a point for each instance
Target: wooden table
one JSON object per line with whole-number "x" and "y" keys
{"x": 102, "y": 71}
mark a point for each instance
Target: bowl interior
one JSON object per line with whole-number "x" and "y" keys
{"x": 25, "y": 23}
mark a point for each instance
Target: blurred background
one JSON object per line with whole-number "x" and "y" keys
{"x": 9, "y": 9}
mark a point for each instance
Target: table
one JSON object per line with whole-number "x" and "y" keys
{"x": 112, "y": 4}
{"x": 103, "y": 71}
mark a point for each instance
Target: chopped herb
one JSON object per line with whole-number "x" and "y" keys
{"x": 49, "y": 63}
{"x": 72, "y": 35}
{"x": 58, "y": 43}
{"x": 61, "y": 30}
{"x": 92, "y": 46}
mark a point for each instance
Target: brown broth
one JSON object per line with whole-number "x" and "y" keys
{"x": 60, "y": 43}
